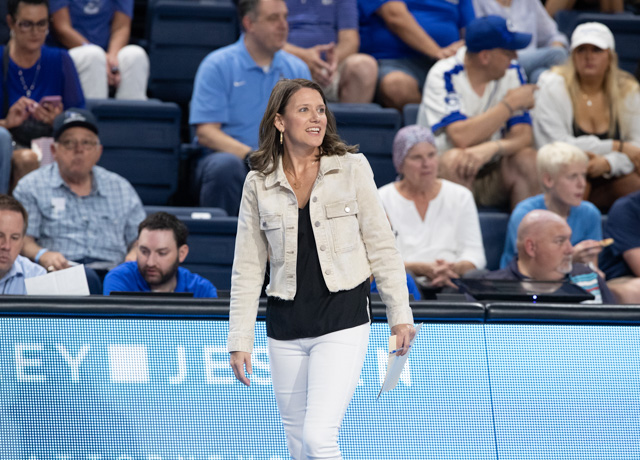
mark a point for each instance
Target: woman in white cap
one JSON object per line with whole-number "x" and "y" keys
{"x": 435, "y": 221}
{"x": 593, "y": 104}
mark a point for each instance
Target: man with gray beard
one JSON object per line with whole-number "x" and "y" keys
{"x": 544, "y": 254}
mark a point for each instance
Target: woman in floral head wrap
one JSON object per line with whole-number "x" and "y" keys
{"x": 435, "y": 221}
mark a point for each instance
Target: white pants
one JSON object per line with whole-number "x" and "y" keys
{"x": 91, "y": 64}
{"x": 314, "y": 380}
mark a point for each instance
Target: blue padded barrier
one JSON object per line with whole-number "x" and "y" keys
{"x": 181, "y": 34}
{"x": 141, "y": 141}
{"x": 493, "y": 226}
{"x": 373, "y": 128}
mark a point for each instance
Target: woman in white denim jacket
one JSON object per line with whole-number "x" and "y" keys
{"x": 310, "y": 207}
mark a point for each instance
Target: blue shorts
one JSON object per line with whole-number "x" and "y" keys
{"x": 417, "y": 68}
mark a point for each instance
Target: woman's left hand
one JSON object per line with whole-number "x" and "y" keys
{"x": 404, "y": 335}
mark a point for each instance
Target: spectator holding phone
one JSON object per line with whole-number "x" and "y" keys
{"x": 38, "y": 82}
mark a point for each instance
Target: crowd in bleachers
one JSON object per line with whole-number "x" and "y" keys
{"x": 474, "y": 137}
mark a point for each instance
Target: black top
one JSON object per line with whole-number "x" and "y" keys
{"x": 577, "y": 132}
{"x": 314, "y": 311}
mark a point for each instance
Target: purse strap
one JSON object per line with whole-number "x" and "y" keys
{"x": 5, "y": 74}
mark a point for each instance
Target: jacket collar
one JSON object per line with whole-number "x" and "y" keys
{"x": 328, "y": 163}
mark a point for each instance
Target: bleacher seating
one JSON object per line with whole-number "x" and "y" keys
{"x": 373, "y": 128}
{"x": 181, "y": 33}
{"x": 141, "y": 141}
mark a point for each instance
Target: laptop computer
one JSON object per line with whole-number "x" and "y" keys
{"x": 523, "y": 290}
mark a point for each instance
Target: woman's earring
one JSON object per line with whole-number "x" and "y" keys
{"x": 281, "y": 138}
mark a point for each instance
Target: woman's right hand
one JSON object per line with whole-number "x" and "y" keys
{"x": 19, "y": 112}
{"x": 241, "y": 360}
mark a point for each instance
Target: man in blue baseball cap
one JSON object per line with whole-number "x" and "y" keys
{"x": 476, "y": 103}
{"x": 78, "y": 211}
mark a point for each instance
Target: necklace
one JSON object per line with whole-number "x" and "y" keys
{"x": 293, "y": 180}
{"x": 587, "y": 98}
{"x": 29, "y": 89}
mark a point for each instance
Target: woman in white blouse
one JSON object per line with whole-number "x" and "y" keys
{"x": 435, "y": 221}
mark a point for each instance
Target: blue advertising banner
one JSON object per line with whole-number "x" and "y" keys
{"x": 154, "y": 389}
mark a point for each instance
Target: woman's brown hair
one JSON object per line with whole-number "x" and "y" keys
{"x": 265, "y": 159}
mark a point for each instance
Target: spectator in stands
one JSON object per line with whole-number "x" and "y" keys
{"x": 476, "y": 104}
{"x": 97, "y": 33}
{"x": 407, "y": 38}
{"x": 591, "y": 103}
{"x": 621, "y": 261}
{"x": 325, "y": 36}
{"x": 78, "y": 211}
{"x": 32, "y": 72}
{"x": 435, "y": 221}
{"x": 545, "y": 254}
{"x": 14, "y": 268}
{"x": 604, "y": 6}
{"x": 230, "y": 95}
{"x": 548, "y": 46}
{"x": 162, "y": 247}
{"x": 562, "y": 170}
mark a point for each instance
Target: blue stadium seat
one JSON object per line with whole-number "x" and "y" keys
{"x": 626, "y": 30}
{"x": 182, "y": 212}
{"x": 493, "y": 226}
{"x": 141, "y": 142}
{"x": 410, "y": 114}
{"x": 374, "y": 128}
{"x": 181, "y": 33}
{"x": 211, "y": 248}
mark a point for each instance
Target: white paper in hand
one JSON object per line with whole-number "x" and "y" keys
{"x": 396, "y": 363}
{"x": 71, "y": 281}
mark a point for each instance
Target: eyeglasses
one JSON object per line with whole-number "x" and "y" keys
{"x": 84, "y": 144}
{"x": 27, "y": 26}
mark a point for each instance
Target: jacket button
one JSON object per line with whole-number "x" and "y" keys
{"x": 327, "y": 272}
{"x": 314, "y": 199}
{"x": 317, "y": 223}
{"x": 347, "y": 209}
{"x": 323, "y": 247}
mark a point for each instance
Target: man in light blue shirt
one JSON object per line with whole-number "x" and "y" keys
{"x": 14, "y": 268}
{"x": 230, "y": 94}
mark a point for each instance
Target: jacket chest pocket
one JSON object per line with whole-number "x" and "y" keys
{"x": 343, "y": 221}
{"x": 272, "y": 227}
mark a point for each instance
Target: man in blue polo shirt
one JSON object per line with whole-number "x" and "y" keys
{"x": 162, "y": 247}
{"x": 230, "y": 95}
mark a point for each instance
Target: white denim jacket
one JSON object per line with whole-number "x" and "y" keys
{"x": 352, "y": 233}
